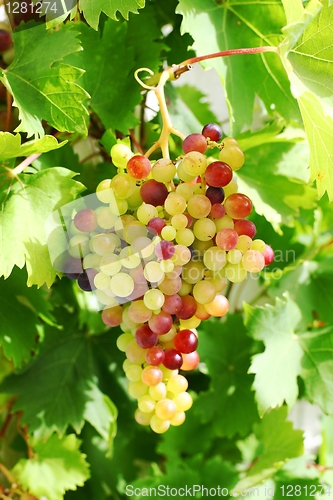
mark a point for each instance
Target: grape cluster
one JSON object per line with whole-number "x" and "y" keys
{"x": 157, "y": 252}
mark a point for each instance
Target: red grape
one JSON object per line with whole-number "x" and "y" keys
{"x": 112, "y": 316}
{"x": 86, "y": 220}
{"x": 215, "y": 195}
{"x": 145, "y": 337}
{"x": 138, "y": 167}
{"x": 172, "y": 359}
{"x": 160, "y": 323}
{"x": 165, "y": 250}
{"x": 246, "y": 227}
{"x": 227, "y": 239}
{"x": 238, "y": 206}
{"x": 218, "y": 174}
{"x": 189, "y": 219}
{"x": 195, "y": 142}
{"x": 86, "y": 280}
{"x": 186, "y": 341}
{"x": 154, "y": 193}
{"x": 155, "y": 356}
{"x": 172, "y": 304}
{"x": 189, "y": 307}
{"x": 213, "y": 131}
{"x": 217, "y": 211}
{"x": 268, "y": 255}
{"x": 155, "y": 225}
{"x": 5, "y": 40}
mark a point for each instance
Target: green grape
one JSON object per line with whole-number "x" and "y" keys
{"x": 118, "y": 207}
{"x": 143, "y": 246}
{"x": 110, "y": 264}
{"x": 123, "y": 185}
{"x": 104, "y": 192}
{"x": 168, "y": 233}
{"x": 233, "y": 156}
{"x": 185, "y": 237}
{"x": 178, "y": 419}
{"x": 92, "y": 261}
{"x": 104, "y": 243}
{"x": 193, "y": 272}
{"x": 215, "y": 258}
{"x": 234, "y": 256}
{"x": 126, "y": 363}
{"x": 122, "y": 285}
{"x": 183, "y": 401}
{"x": 167, "y": 266}
{"x": 253, "y": 261}
{"x": 198, "y": 189}
{"x": 189, "y": 324}
{"x": 135, "y": 354}
{"x": 105, "y": 218}
{"x": 199, "y": 206}
{"x": 78, "y": 246}
{"x": 146, "y": 212}
{"x": 102, "y": 281}
{"x": 165, "y": 409}
{"x": 105, "y": 299}
{"x": 258, "y": 245}
{"x": 133, "y": 373}
{"x": 143, "y": 418}
{"x": 223, "y": 223}
{"x": 179, "y": 221}
{"x": 146, "y": 403}
{"x": 219, "y": 283}
{"x": 186, "y": 289}
{"x": 235, "y": 272}
{"x": 175, "y": 204}
{"x": 166, "y": 372}
{"x": 244, "y": 243}
{"x": 153, "y": 272}
{"x": 182, "y": 255}
{"x": 158, "y": 392}
{"x": 135, "y": 200}
{"x": 137, "y": 389}
{"x": 120, "y": 154}
{"x": 204, "y": 292}
{"x": 163, "y": 170}
{"x": 128, "y": 259}
{"x": 201, "y": 247}
{"x": 204, "y": 229}
{"x": 185, "y": 190}
{"x": 169, "y": 335}
{"x": 134, "y": 230}
{"x": 230, "y": 188}
{"x": 159, "y": 426}
{"x": 177, "y": 384}
{"x": 153, "y": 299}
{"x": 194, "y": 163}
{"x": 132, "y": 325}
{"x": 184, "y": 176}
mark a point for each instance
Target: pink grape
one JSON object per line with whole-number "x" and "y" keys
{"x": 170, "y": 286}
{"x": 172, "y": 359}
{"x": 112, "y": 316}
{"x": 217, "y": 211}
{"x": 86, "y": 220}
{"x": 138, "y": 167}
{"x": 190, "y": 361}
{"x": 155, "y": 356}
{"x": 145, "y": 337}
{"x": 172, "y": 304}
{"x": 155, "y": 225}
{"x": 213, "y": 131}
{"x": 186, "y": 341}
{"x": 218, "y": 174}
{"x": 154, "y": 193}
{"x": 238, "y": 206}
{"x": 151, "y": 376}
{"x": 165, "y": 250}
{"x": 160, "y": 323}
{"x": 227, "y": 239}
{"x": 189, "y": 307}
{"x": 215, "y": 195}
{"x": 195, "y": 142}
{"x": 268, "y": 255}
{"x": 246, "y": 227}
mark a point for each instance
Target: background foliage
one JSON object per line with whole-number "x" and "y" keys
{"x": 67, "y": 423}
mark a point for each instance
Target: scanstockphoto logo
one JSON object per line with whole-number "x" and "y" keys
{"x": 50, "y": 10}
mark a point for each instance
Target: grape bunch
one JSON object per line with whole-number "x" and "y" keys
{"x": 157, "y": 251}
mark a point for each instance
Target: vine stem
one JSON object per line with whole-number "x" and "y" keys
{"x": 24, "y": 164}
{"x": 231, "y": 52}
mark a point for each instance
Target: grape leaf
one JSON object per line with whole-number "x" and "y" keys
{"x": 42, "y": 86}
{"x": 308, "y": 58}
{"x": 57, "y": 466}
{"x": 278, "y": 443}
{"x": 289, "y": 354}
{"x": 234, "y": 25}
{"x": 93, "y": 10}
{"x": 11, "y": 147}
{"x": 22, "y": 221}
{"x": 229, "y": 405}
{"x": 276, "y": 196}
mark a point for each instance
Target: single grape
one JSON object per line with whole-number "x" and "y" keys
{"x": 218, "y": 307}
{"x": 204, "y": 229}
{"x": 246, "y": 227}
{"x": 238, "y": 206}
{"x": 143, "y": 418}
{"x": 199, "y": 206}
{"x": 165, "y": 409}
{"x": 175, "y": 204}
{"x": 138, "y": 312}
{"x": 189, "y": 307}
{"x": 193, "y": 272}
{"x": 212, "y": 131}
{"x": 186, "y": 341}
{"x": 244, "y": 243}
{"x": 85, "y": 220}
{"x": 123, "y": 185}
{"x": 204, "y": 292}
{"x": 86, "y": 280}
{"x": 179, "y": 221}
{"x": 151, "y": 375}
{"x": 153, "y": 299}
{"x": 215, "y": 195}
{"x": 227, "y": 239}
{"x": 183, "y": 401}
{"x": 146, "y": 212}
{"x": 173, "y": 359}
{"x": 137, "y": 389}
{"x": 110, "y": 264}
{"x": 218, "y": 174}
{"x": 134, "y": 372}
{"x": 120, "y": 154}
{"x": 172, "y": 304}
{"x": 112, "y": 316}
{"x": 146, "y": 404}
{"x": 178, "y": 419}
{"x": 155, "y": 356}
{"x": 177, "y": 384}
{"x": 163, "y": 170}
{"x": 138, "y": 167}
{"x": 145, "y": 337}
{"x": 185, "y": 237}
{"x": 183, "y": 175}
{"x": 253, "y": 261}
{"x": 268, "y": 255}
{"x": 232, "y": 155}
{"x": 135, "y": 353}
{"x": 165, "y": 250}
{"x": 122, "y": 285}
{"x": 153, "y": 192}
{"x": 155, "y": 225}
{"x": 201, "y": 312}
{"x": 168, "y": 233}
{"x": 5, "y": 40}
{"x": 190, "y": 361}
{"x": 153, "y": 272}
{"x": 234, "y": 256}
{"x": 224, "y": 222}
{"x": 194, "y": 163}
{"x": 236, "y": 273}
{"x": 73, "y": 268}
{"x": 195, "y": 142}
{"x": 106, "y": 219}
{"x": 159, "y": 426}
{"x": 215, "y": 258}
{"x": 185, "y": 190}
{"x": 158, "y": 391}
{"x": 160, "y": 323}
{"x": 104, "y": 192}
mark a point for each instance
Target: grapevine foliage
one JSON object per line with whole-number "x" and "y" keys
{"x": 68, "y": 95}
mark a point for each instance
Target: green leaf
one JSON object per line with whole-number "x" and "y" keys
{"x": 242, "y": 24}
{"x": 273, "y": 194}
{"x": 278, "y": 443}
{"x": 43, "y": 87}
{"x": 229, "y": 405}
{"x": 288, "y": 355}
{"x": 93, "y": 10}
{"x": 308, "y": 58}
{"x": 22, "y": 221}
{"x": 11, "y": 147}
{"x": 57, "y": 466}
